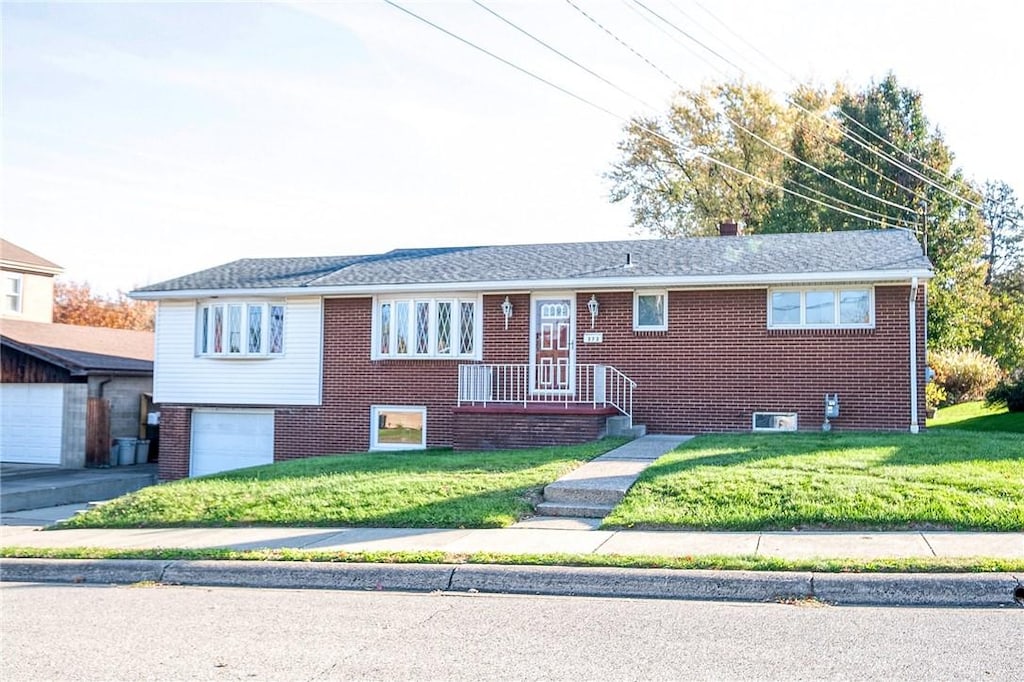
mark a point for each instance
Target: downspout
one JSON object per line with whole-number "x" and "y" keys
{"x": 914, "y": 428}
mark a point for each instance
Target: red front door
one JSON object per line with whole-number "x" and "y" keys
{"x": 552, "y": 361}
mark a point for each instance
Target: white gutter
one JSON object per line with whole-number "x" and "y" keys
{"x": 914, "y": 428}
{"x": 581, "y": 283}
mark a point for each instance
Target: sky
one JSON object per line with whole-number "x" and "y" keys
{"x": 143, "y": 141}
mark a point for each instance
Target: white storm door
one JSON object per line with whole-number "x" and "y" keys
{"x": 552, "y": 351}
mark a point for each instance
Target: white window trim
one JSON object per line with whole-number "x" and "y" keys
{"x": 375, "y": 411}
{"x": 836, "y": 290}
{"x": 433, "y": 299}
{"x": 14, "y": 277}
{"x": 244, "y": 353}
{"x": 637, "y": 327}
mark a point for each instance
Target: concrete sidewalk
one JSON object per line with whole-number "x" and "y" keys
{"x": 534, "y": 536}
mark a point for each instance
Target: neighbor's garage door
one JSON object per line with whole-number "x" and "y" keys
{"x": 231, "y": 439}
{"x": 31, "y": 423}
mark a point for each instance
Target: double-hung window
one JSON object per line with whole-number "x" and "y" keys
{"x": 12, "y": 292}
{"x": 240, "y": 329}
{"x": 821, "y": 308}
{"x": 427, "y": 327}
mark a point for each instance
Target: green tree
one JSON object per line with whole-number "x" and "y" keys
{"x": 1004, "y": 219}
{"x": 674, "y": 189}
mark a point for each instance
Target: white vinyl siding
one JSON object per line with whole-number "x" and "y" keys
{"x": 291, "y": 378}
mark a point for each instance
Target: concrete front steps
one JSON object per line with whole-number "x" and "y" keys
{"x": 593, "y": 490}
{"x": 38, "y": 487}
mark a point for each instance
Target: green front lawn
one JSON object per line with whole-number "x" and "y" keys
{"x": 953, "y": 480}
{"x": 420, "y": 489}
{"x": 976, "y": 416}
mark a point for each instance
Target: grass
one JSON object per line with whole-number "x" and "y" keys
{"x": 976, "y": 416}
{"x": 418, "y": 489}
{"x": 939, "y": 480}
{"x": 705, "y": 562}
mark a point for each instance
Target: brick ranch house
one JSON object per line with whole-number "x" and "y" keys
{"x": 264, "y": 360}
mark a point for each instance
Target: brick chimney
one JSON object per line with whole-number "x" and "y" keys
{"x": 729, "y": 229}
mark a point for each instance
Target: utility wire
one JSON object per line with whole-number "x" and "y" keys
{"x": 736, "y": 123}
{"x": 793, "y": 103}
{"x": 561, "y": 54}
{"x": 849, "y": 134}
{"x": 882, "y": 216}
{"x": 623, "y": 118}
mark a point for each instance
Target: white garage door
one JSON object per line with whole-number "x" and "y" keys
{"x": 31, "y": 423}
{"x": 231, "y": 439}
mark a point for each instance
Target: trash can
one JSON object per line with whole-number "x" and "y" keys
{"x": 113, "y": 455}
{"x": 126, "y": 451}
{"x": 141, "y": 451}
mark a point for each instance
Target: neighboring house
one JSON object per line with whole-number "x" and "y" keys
{"x": 27, "y": 284}
{"x": 506, "y": 346}
{"x": 53, "y": 375}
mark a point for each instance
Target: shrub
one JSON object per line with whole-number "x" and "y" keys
{"x": 964, "y": 374}
{"x": 1009, "y": 392}
{"x": 934, "y": 395}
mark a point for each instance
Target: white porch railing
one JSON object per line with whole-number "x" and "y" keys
{"x": 599, "y": 385}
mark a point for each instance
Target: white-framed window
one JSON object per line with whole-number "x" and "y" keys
{"x": 12, "y": 292}
{"x": 421, "y": 327}
{"x": 650, "y": 311}
{"x": 822, "y": 307}
{"x": 398, "y": 427}
{"x": 240, "y": 329}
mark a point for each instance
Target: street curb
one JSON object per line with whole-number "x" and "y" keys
{"x": 892, "y": 589}
{"x": 641, "y": 583}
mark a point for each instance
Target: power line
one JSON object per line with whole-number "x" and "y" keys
{"x": 849, "y": 134}
{"x": 623, "y": 118}
{"x": 790, "y": 102}
{"x": 561, "y": 54}
{"x": 736, "y": 123}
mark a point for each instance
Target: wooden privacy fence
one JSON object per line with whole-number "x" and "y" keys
{"x": 97, "y": 432}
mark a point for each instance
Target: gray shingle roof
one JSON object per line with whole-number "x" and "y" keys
{"x": 750, "y": 256}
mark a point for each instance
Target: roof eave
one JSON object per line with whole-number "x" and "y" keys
{"x": 629, "y": 282}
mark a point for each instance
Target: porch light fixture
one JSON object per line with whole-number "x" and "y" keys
{"x": 506, "y": 310}
{"x": 592, "y": 306}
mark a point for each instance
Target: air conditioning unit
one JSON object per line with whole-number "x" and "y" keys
{"x": 774, "y": 421}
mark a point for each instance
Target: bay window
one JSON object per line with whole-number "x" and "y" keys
{"x": 240, "y": 329}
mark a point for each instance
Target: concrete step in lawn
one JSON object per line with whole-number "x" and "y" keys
{"x": 593, "y": 490}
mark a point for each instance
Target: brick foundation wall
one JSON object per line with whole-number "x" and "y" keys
{"x": 497, "y": 428}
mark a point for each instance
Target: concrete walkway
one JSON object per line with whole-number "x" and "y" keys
{"x": 593, "y": 490}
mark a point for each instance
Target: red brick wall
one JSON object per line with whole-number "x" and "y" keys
{"x": 483, "y": 429}
{"x": 175, "y": 440}
{"x": 717, "y": 364}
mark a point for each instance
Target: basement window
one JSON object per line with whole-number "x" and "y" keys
{"x": 774, "y": 421}
{"x": 394, "y": 427}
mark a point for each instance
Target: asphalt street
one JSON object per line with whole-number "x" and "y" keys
{"x": 91, "y": 632}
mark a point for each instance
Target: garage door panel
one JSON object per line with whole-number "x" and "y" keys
{"x": 225, "y": 439}
{"x": 31, "y": 423}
